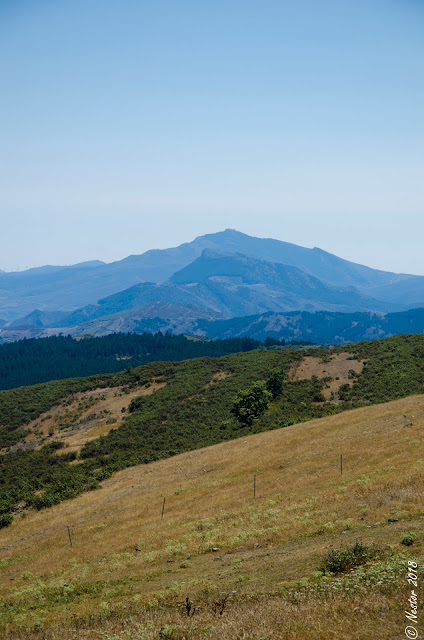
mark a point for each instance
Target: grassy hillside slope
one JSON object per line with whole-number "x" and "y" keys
{"x": 128, "y": 573}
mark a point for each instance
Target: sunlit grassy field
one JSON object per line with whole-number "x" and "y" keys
{"x": 248, "y": 564}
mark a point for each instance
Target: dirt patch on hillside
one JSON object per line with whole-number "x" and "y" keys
{"x": 83, "y": 417}
{"x": 217, "y": 377}
{"x": 337, "y": 371}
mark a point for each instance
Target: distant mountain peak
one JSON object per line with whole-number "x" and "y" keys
{"x": 70, "y": 288}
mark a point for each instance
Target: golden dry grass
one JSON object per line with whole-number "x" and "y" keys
{"x": 303, "y": 507}
{"x": 260, "y": 618}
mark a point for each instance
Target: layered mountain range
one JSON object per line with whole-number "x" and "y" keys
{"x": 227, "y": 283}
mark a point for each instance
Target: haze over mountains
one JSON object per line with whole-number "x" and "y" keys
{"x": 191, "y": 287}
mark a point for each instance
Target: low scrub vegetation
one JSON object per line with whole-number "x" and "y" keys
{"x": 408, "y": 539}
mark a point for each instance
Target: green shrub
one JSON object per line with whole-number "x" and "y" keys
{"x": 250, "y": 403}
{"x": 136, "y": 404}
{"x": 408, "y": 539}
{"x": 5, "y": 520}
{"x": 347, "y": 558}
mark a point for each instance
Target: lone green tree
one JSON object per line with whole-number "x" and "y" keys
{"x": 250, "y": 403}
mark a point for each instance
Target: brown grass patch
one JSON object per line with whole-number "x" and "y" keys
{"x": 96, "y": 412}
{"x": 337, "y": 368}
{"x": 217, "y": 377}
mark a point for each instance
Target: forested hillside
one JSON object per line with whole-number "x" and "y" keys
{"x": 64, "y": 437}
{"x": 39, "y": 360}
{"x": 323, "y": 327}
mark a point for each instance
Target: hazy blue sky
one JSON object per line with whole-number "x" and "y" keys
{"x": 138, "y": 124}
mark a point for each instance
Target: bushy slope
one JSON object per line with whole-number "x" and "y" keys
{"x": 192, "y": 409}
{"x": 188, "y": 413}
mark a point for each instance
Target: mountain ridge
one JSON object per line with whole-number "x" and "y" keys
{"x": 322, "y": 327}
{"x": 231, "y": 285}
{"x": 70, "y": 288}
